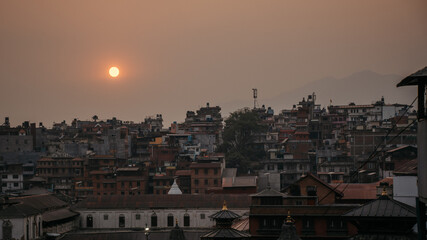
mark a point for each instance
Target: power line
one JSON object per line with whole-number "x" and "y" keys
{"x": 375, "y": 152}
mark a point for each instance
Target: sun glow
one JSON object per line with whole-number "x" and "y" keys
{"x": 114, "y": 72}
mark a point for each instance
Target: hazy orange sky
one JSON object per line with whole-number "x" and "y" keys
{"x": 175, "y": 56}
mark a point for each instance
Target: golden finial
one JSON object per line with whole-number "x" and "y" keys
{"x": 384, "y": 193}
{"x": 289, "y": 219}
{"x": 224, "y": 206}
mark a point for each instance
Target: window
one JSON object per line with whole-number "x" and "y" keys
{"x": 202, "y": 216}
{"x": 4, "y": 176}
{"x": 138, "y": 216}
{"x": 196, "y": 182}
{"x": 206, "y": 182}
{"x": 311, "y": 191}
{"x": 196, "y": 171}
{"x": 154, "y": 220}
{"x": 336, "y": 224}
{"x": 215, "y": 171}
{"x": 186, "y": 220}
{"x": 15, "y": 184}
{"x": 105, "y": 216}
{"x": 170, "y": 220}
{"x": 130, "y": 184}
{"x": 122, "y": 221}
{"x": 206, "y": 171}
{"x": 215, "y": 182}
{"x": 15, "y": 176}
{"x": 89, "y": 221}
{"x": 307, "y": 223}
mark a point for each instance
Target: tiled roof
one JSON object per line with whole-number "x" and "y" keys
{"x": 58, "y": 215}
{"x": 211, "y": 201}
{"x": 42, "y": 202}
{"x": 358, "y": 190}
{"x": 18, "y": 211}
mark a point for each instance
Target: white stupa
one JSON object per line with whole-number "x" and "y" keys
{"x": 175, "y": 189}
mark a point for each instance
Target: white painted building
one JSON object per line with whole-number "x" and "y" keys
{"x": 11, "y": 181}
{"x": 156, "y": 211}
{"x": 20, "y": 221}
{"x": 405, "y": 189}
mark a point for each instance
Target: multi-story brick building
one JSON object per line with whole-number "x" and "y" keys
{"x": 60, "y": 171}
{"x": 205, "y": 176}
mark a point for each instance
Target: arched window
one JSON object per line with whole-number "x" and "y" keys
{"x": 170, "y": 220}
{"x": 154, "y": 220}
{"x": 186, "y": 220}
{"x": 7, "y": 229}
{"x": 40, "y": 227}
{"x": 122, "y": 222}
{"x": 89, "y": 221}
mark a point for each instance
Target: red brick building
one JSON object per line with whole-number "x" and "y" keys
{"x": 312, "y": 204}
{"x": 205, "y": 176}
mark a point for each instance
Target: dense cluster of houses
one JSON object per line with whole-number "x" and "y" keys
{"x": 318, "y": 172}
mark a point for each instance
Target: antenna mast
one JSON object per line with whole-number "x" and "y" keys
{"x": 255, "y": 91}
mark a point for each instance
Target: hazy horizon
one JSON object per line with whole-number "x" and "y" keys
{"x": 176, "y": 56}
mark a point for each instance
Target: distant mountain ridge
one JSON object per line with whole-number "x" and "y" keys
{"x": 363, "y": 87}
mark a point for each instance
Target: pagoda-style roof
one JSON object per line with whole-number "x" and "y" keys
{"x": 383, "y": 217}
{"x": 225, "y": 214}
{"x": 383, "y": 207}
{"x": 289, "y": 232}
{"x": 415, "y": 78}
{"x": 176, "y": 233}
{"x": 224, "y": 219}
{"x": 226, "y": 233}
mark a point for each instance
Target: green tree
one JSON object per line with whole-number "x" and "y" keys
{"x": 239, "y": 145}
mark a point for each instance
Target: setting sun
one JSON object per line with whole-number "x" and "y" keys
{"x": 114, "y": 72}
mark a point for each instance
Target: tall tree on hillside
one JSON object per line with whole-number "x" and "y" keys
{"x": 241, "y": 150}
